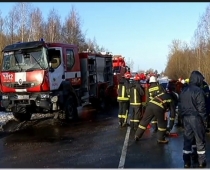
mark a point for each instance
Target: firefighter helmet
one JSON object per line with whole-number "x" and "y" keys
{"x": 142, "y": 76}
{"x": 152, "y": 79}
{"x": 137, "y": 77}
{"x": 127, "y": 75}
{"x": 187, "y": 81}
{"x": 182, "y": 81}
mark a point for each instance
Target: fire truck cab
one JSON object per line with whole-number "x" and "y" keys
{"x": 40, "y": 77}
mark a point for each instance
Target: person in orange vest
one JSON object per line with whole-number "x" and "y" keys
{"x": 136, "y": 93}
{"x": 123, "y": 99}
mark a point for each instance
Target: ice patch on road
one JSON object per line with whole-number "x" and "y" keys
{"x": 6, "y": 116}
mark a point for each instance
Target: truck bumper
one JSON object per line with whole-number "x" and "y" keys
{"x": 37, "y": 101}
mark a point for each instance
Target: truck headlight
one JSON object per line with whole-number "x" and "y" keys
{"x": 4, "y": 97}
{"x": 54, "y": 99}
{"x": 44, "y": 96}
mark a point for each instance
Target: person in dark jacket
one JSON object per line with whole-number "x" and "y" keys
{"x": 123, "y": 100}
{"x": 193, "y": 111}
{"x": 158, "y": 107}
{"x": 136, "y": 93}
{"x": 153, "y": 91}
{"x": 206, "y": 90}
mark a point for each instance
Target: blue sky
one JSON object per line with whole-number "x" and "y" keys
{"x": 140, "y": 31}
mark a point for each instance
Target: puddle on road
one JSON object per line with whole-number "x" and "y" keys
{"x": 49, "y": 134}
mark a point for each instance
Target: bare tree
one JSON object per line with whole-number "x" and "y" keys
{"x": 11, "y": 22}
{"x": 23, "y": 13}
{"x": 53, "y": 27}
{"x": 129, "y": 62}
{"x": 36, "y": 25}
{"x": 71, "y": 30}
{"x": 1, "y": 31}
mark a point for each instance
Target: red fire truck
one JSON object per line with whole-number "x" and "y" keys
{"x": 40, "y": 77}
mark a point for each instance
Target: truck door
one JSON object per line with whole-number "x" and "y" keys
{"x": 57, "y": 67}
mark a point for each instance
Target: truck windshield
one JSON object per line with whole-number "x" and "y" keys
{"x": 25, "y": 60}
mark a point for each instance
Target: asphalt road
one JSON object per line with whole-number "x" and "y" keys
{"x": 94, "y": 142}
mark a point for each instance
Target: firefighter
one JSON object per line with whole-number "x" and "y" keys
{"x": 136, "y": 93}
{"x": 123, "y": 100}
{"x": 158, "y": 107}
{"x": 193, "y": 111}
{"x": 154, "y": 90}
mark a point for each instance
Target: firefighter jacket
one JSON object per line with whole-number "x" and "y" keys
{"x": 166, "y": 101}
{"x": 127, "y": 86}
{"x": 136, "y": 93}
{"x": 122, "y": 91}
{"x": 192, "y": 98}
{"x": 154, "y": 90}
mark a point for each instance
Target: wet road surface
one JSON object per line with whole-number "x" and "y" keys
{"x": 94, "y": 142}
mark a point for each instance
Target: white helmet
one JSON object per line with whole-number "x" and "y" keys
{"x": 152, "y": 79}
{"x": 182, "y": 81}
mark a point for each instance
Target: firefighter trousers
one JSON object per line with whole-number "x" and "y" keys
{"x": 135, "y": 116}
{"x": 154, "y": 124}
{"x": 123, "y": 112}
{"x": 152, "y": 111}
{"x": 194, "y": 137}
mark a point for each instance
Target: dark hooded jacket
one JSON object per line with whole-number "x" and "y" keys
{"x": 192, "y": 97}
{"x": 206, "y": 90}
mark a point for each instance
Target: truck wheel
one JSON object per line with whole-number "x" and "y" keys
{"x": 20, "y": 114}
{"x": 70, "y": 110}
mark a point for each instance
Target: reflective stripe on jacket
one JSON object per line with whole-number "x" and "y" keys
{"x": 122, "y": 93}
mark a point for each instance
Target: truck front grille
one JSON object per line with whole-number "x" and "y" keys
{"x": 17, "y": 86}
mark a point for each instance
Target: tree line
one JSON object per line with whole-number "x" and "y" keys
{"x": 184, "y": 57}
{"x": 24, "y": 23}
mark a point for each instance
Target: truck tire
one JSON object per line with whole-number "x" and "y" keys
{"x": 70, "y": 110}
{"x": 20, "y": 114}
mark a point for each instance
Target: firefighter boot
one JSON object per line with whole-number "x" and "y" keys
{"x": 202, "y": 165}
{"x": 187, "y": 165}
{"x": 161, "y": 137}
{"x": 138, "y": 134}
{"x": 187, "y": 160}
{"x": 194, "y": 157}
{"x": 202, "y": 160}
{"x": 164, "y": 141}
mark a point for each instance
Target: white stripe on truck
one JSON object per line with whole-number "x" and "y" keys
{"x": 72, "y": 74}
{"x": 20, "y": 75}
